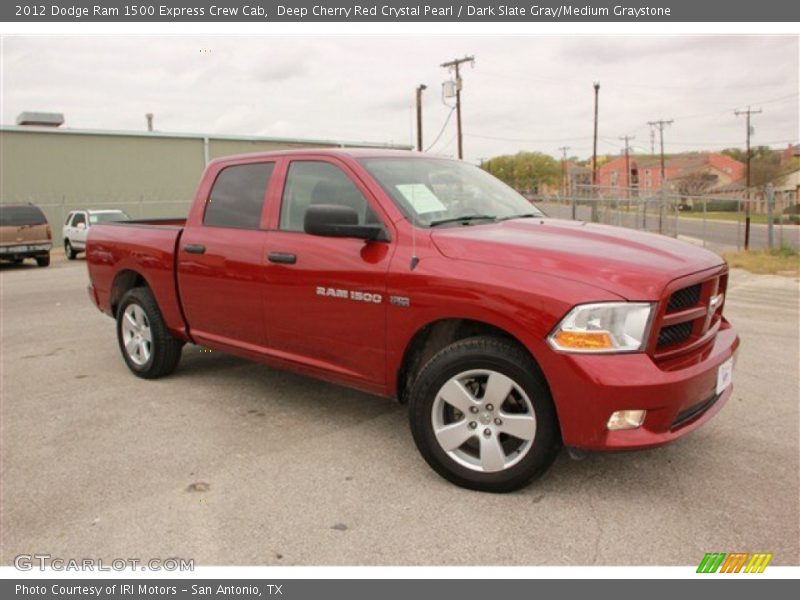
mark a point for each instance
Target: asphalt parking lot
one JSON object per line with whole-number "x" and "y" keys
{"x": 232, "y": 463}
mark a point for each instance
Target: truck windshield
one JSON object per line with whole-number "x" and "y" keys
{"x": 433, "y": 192}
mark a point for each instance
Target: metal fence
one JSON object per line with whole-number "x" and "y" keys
{"x": 717, "y": 223}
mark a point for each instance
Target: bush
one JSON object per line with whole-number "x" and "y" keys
{"x": 719, "y": 205}
{"x": 792, "y": 209}
{"x": 787, "y": 219}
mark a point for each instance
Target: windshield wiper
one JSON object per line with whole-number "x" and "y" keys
{"x": 522, "y": 216}
{"x": 463, "y": 219}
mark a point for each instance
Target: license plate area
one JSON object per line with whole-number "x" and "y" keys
{"x": 724, "y": 375}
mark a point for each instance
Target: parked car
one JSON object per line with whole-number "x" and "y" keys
{"x": 77, "y": 226}
{"x": 24, "y": 233}
{"x": 506, "y": 332}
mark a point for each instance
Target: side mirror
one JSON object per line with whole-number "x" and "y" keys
{"x": 331, "y": 220}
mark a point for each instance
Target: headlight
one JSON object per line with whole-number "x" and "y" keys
{"x": 604, "y": 327}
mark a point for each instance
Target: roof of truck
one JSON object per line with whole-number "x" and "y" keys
{"x": 350, "y": 152}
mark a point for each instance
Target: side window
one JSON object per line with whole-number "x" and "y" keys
{"x": 78, "y": 218}
{"x": 237, "y": 197}
{"x": 317, "y": 182}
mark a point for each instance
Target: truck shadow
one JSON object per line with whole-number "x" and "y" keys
{"x": 262, "y": 390}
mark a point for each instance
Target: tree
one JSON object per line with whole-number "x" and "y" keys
{"x": 525, "y": 171}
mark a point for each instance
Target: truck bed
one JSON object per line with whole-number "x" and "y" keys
{"x": 146, "y": 247}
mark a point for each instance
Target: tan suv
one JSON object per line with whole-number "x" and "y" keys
{"x": 24, "y": 233}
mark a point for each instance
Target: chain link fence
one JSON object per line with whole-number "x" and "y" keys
{"x": 717, "y": 223}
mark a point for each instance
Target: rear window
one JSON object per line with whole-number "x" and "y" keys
{"x": 15, "y": 216}
{"x": 237, "y": 197}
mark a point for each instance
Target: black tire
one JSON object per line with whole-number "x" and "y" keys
{"x": 504, "y": 357}
{"x": 165, "y": 350}
{"x": 43, "y": 261}
{"x": 69, "y": 250}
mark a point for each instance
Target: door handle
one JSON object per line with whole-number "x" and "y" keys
{"x": 283, "y": 258}
{"x": 195, "y": 248}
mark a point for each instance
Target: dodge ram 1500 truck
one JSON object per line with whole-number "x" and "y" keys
{"x": 508, "y": 333}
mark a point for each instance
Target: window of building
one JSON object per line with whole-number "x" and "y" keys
{"x": 237, "y": 197}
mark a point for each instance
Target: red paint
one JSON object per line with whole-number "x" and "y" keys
{"x": 521, "y": 276}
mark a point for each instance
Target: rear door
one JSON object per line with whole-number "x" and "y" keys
{"x": 221, "y": 260}
{"x": 326, "y": 297}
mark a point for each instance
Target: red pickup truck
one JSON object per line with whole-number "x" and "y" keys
{"x": 508, "y": 333}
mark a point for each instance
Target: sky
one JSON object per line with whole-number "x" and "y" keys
{"x": 531, "y": 93}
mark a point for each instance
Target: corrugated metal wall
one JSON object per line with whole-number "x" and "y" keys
{"x": 145, "y": 175}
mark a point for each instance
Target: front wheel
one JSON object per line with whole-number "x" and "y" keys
{"x": 69, "y": 250}
{"x": 147, "y": 346}
{"x": 482, "y": 416}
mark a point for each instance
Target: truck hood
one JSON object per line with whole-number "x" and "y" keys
{"x": 632, "y": 264}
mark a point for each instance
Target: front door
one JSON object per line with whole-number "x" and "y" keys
{"x": 326, "y": 297}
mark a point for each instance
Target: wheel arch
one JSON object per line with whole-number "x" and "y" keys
{"x": 436, "y": 335}
{"x": 124, "y": 281}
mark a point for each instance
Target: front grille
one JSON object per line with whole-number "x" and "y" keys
{"x": 693, "y": 411}
{"x": 674, "y": 334}
{"x": 685, "y": 298}
{"x": 685, "y": 323}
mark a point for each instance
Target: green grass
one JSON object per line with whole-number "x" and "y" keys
{"x": 783, "y": 261}
{"x": 720, "y": 215}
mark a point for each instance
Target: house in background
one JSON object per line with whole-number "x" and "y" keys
{"x": 685, "y": 174}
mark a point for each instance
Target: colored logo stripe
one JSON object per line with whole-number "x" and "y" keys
{"x": 734, "y": 562}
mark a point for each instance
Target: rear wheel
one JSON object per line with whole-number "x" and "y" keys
{"x": 482, "y": 416}
{"x": 147, "y": 346}
{"x": 43, "y": 261}
{"x": 69, "y": 250}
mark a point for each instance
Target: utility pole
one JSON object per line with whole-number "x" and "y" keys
{"x": 564, "y": 180}
{"x": 595, "y": 199}
{"x": 747, "y": 114}
{"x": 652, "y": 140}
{"x": 420, "y": 88}
{"x": 660, "y": 125}
{"x": 627, "y": 139}
{"x": 594, "y": 142}
{"x": 455, "y": 65}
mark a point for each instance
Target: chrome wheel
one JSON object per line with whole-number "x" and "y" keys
{"x": 484, "y": 420}
{"x": 136, "y": 334}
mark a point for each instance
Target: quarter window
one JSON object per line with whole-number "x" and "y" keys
{"x": 317, "y": 182}
{"x": 237, "y": 197}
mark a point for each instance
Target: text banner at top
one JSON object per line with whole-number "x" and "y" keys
{"x": 437, "y": 11}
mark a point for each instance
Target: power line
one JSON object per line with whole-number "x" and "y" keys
{"x": 441, "y": 131}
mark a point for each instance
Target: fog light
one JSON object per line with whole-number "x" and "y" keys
{"x": 626, "y": 419}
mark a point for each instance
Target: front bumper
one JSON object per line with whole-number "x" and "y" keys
{"x": 677, "y": 401}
